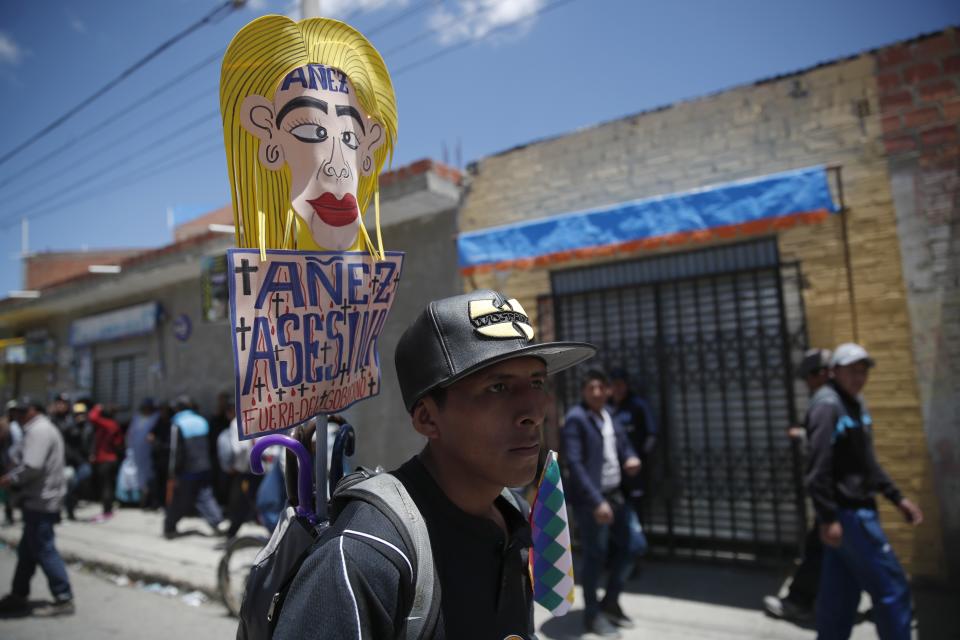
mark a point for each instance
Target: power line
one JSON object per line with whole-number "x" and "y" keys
{"x": 466, "y": 43}
{"x": 152, "y": 170}
{"x": 403, "y": 15}
{"x": 117, "y": 164}
{"x": 228, "y": 5}
{"x": 128, "y": 179}
{"x": 125, "y": 136}
{"x": 127, "y": 109}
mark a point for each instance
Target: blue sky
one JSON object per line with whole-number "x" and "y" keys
{"x": 109, "y": 174}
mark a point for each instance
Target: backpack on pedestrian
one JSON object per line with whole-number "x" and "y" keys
{"x": 297, "y": 535}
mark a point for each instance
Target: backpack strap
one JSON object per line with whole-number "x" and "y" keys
{"x": 387, "y": 493}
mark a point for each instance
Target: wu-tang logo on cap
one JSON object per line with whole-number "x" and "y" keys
{"x": 505, "y": 321}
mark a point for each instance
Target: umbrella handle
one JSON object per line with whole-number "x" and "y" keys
{"x": 344, "y": 444}
{"x": 304, "y": 468}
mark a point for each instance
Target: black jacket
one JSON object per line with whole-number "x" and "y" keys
{"x": 581, "y": 442}
{"x": 361, "y": 577}
{"x": 842, "y": 469}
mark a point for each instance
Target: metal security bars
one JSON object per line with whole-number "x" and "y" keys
{"x": 708, "y": 338}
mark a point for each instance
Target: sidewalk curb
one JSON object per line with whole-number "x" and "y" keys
{"x": 11, "y": 537}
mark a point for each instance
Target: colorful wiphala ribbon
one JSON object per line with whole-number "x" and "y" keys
{"x": 551, "y": 561}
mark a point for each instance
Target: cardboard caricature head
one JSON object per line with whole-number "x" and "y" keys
{"x": 309, "y": 120}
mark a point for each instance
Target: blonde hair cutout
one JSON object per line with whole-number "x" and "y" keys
{"x": 258, "y": 59}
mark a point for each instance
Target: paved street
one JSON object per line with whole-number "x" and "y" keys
{"x": 105, "y": 610}
{"x": 670, "y": 600}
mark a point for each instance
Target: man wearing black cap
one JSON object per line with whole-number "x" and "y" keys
{"x": 40, "y": 481}
{"x": 814, "y": 370}
{"x": 475, "y": 386}
{"x": 842, "y": 478}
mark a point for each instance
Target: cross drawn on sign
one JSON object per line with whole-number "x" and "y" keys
{"x": 242, "y": 330}
{"x": 245, "y": 269}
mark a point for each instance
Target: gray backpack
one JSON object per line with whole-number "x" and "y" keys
{"x": 295, "y": 538}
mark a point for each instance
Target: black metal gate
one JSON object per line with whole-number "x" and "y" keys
{"x": 708, "y": 336}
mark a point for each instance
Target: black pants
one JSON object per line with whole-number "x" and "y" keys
{"x": 106, "y": 475}
{"x": 241, "y": 505}
{"x": 806, "y": 579}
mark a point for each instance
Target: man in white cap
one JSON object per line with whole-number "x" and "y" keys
{"x": 842, "y": 478}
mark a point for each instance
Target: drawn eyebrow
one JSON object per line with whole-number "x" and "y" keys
{"x": 347, "y": 110}
{"x": 302, "y": 101}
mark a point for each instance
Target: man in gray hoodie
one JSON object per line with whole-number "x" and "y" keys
{"x": 39, "y": 480}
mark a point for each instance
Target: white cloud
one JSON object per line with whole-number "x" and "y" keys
{"x": 474, "y": 19}
{"x": 10, "y": 52}
{"x": 344, "y": 8}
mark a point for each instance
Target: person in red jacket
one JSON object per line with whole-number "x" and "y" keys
{"x": 107, "y": 440}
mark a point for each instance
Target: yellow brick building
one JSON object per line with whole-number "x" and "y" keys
{"x": 857, "y": 267}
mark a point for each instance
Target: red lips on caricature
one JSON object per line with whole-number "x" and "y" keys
{"x": 334, "y": 211}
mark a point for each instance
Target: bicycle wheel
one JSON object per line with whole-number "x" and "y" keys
{"x": 234, "y": 568}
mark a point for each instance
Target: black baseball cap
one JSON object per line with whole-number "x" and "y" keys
{"x": 454, "y": 337}
{"x": 813, "y": 360}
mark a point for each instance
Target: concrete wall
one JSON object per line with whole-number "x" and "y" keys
{"x": 920, "y": 109}
{"x": 827, "y": 115}
{"x": 201, "y": 366}
{"x": 384, "y": 433}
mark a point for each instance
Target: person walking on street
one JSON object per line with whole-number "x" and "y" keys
{"x": 138, "y": 443}
{"x": 190, "y": 448}
{"x": 107, "y": 441}
{"x": 633, "y": 413}
{"x": 842, "y": 478}
{"x": 476, "y": 388}
{"x": 597, "y": 453}
{"x": 78, "y": 442}
{"x": 798, "y": 604}
{"x": 40, "y": 481}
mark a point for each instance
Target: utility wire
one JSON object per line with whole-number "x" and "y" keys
{"x": 128, "y": 109}
{"x": 466, "y": 43}
{"x": 120, "y": 163}
{"x": 129, "y": 179}
{"x": 126, "y": 136}
{"x": 11, "y": 220}
{"x": 403, "y": 15}
{"x": 228, "y": 5}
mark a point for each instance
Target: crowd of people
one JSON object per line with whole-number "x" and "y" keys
{"x": 166, "y": 456}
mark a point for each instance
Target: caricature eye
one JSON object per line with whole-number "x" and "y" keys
{"x": 309, "y": 133}
{"x": 350, "y": 139}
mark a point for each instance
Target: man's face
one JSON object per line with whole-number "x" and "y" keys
{"x": 595, "y": 394}
{"x": 817, "y": 379}
{"x": 316, "y": 126}
{"x": 618, "y": 390}
{"x": 490, "y": 423}
{"x": 853, "y": 377}
{"x": 60, "y": 407}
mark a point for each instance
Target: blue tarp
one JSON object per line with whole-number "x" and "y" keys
{"x": 782, "y": 194}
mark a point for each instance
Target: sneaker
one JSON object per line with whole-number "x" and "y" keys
{"x": 601, "y": 626}
{"x": 12, "y": 604}
{"x": 58, "y": 608}
{"x": 615, "y": 614}
{"x": 785, "y": 609}
{"x": 101, "y": 518}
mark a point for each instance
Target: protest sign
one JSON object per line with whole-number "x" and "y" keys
{"x": 305, "y": 329}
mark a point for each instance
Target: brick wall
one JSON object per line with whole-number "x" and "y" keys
{"x": 920, "y": 111}
{"x": 827, "y": 115}
{"x": 42, "y": 270}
